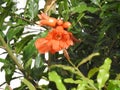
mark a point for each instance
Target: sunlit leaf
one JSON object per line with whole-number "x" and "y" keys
{"x": 29, "y": 84}
{"x": 92, "y": 72}
{"x": 81, "y": 87}
{"x": 117, "y": 77}
{"x": 114, "y": 85}
{"x": 70, "y": 80}
{"x": 53, "y": 76}
{"x": 68, "y": 68}
{"x": 103, "y": 74}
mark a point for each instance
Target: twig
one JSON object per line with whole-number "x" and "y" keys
{"x": 11, "y": 54}
{"x": 80, "y": 73}
{"x": 16, "y": 16}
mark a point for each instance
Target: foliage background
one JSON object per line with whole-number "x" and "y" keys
{"x": 94, "y": 22}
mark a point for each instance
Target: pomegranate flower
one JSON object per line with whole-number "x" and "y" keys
{"x": 56, "y": 40}
{"x": 46, "y": 20}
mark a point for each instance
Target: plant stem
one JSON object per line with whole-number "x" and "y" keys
{"x": 11, "y": 54}
{"x": 23, "y": 18}
{"x": 80, "y": 73}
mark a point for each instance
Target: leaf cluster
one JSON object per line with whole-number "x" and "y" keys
{"x": 94, "y": 22}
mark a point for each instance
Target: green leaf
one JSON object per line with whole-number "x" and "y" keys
{"x": 9, "y": 71}
{"x": 29, "y": 50}
{"x": 60, "y": 9}
{"x": 70, "y": 80}
{"x": 81, "y": 86}
{"x": 68, "y": 68}
{"x": 92, "y": 9}
{"x": 44, "y": 34}
{"x": 114, "y": 85}
{"x": 8, "y": 74}
{"x": 64, "y": 9}
{"x": 37, "y": 73}
{"x": 88, "y": 58}
{"x": 28, "y": 64}
{"x": 6, "y": 12}
{"x": 118, "y": 77}
{"x": 53, "y": 76}
{"x": 92, "y": 72}
{"x": 103, "y": 74}
{"x": 102, "y": 32}
{"x": 13, "y": 31}
{"x": 9, "y": 68}
{"x": 29, "y": 84}
{"x": 96, "y": 2}
{"x": 1, "y": 2}
{"x": 39, "y": 61}
{"x": 74, "y": 2}
{"x": 33, "y": 8}
{"x": 39, "y": 68}
{"x": 21, "y": 44}
{"x": 4, "y": 61}
{"x": 80, "y": 8}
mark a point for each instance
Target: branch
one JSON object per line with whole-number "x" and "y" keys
{"x": 16, "y": 16}
{"x": 16, "y": 61}
{"x": 11, "y": 54}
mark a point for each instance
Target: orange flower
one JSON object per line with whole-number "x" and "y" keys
{"x": 56, "y": 40}
{"x": 66, "y": 24}
{"x": 51, "y": 21}
{"x": 42, "y": 45}
{"x": 46, "y": 20}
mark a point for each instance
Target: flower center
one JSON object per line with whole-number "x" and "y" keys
{"x": 58, "y": 37}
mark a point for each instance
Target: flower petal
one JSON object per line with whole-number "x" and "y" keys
{"x": 55, "y": 45}
{"x": 41, "y": 45}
